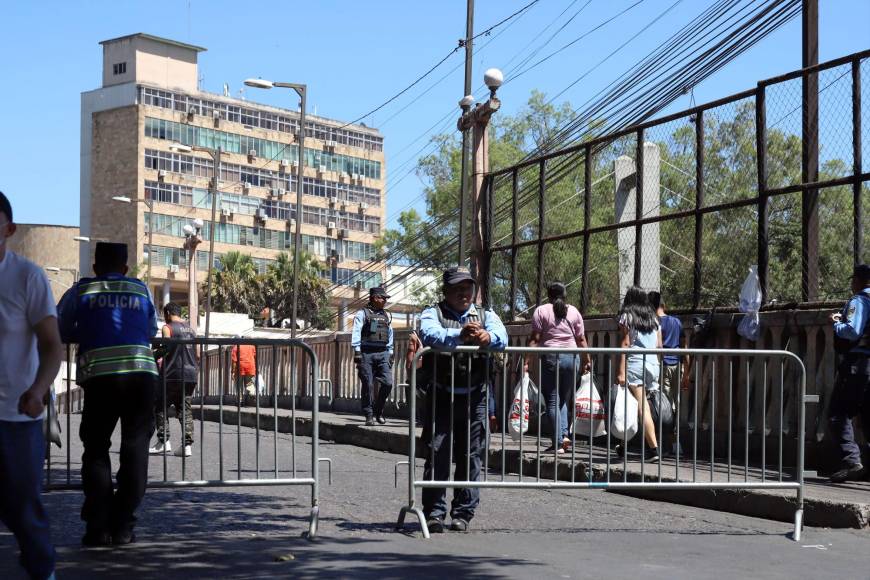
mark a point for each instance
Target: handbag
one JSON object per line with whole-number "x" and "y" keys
{"x": 51, "y": 423}
{"x": 661, "y": 409}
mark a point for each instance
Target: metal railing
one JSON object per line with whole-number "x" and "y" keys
{"x": 282, "y": 368}
{"x": 710, "y": 463}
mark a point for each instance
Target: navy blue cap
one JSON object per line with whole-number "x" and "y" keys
{"x": 862, "y": 271}
{"x": 110, "y": 254}
{"x": 378, "y": 291}
{"x": 456, "y": 275}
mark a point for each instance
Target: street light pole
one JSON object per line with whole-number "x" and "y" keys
{"x": 213, "y": 187}
{"x": 465, "y": 104}
{"x": 149, "y": 203}
{"x": 301, "y": 90}
{"x": 477, "y": 120}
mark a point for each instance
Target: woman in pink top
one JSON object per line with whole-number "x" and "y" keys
{"x": 559, "y": 325}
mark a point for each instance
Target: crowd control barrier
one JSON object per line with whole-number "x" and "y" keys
{"x": 713, "y": 456}
{"x": 222, "y": 454}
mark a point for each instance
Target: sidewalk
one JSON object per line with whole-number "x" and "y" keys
{"x": 825, "y": 505}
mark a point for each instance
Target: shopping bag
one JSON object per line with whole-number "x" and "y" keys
{"x": 524, "y": 393}
{"x": 750, "y": 303}
{"x": 51, "y": 423}
{"x": 623, "y": 413}
{"x": 588, "y": 405}
{"x": 661, "y": 409}
{"x": 261, "y": 385}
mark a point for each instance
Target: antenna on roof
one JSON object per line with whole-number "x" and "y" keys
{"x": 226, "y": 90}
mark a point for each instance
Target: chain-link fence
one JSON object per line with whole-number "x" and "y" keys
{"x": 723, "y": 186}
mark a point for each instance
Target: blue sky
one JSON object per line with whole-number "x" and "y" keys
{"x": 352, "y": 54}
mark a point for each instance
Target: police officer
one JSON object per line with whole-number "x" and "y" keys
{"x": 456, "y": 321}
{"x": 112, "y": 318}
{"x": 372, "y": 342}
{"x": 851, "y": 394}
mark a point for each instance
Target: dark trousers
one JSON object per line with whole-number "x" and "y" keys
{"x": 177, "y": 394}
{"x": 22, "y": 452}
{"x": 851, "y": 397}
{"x": 129, "y": 398}
{"x": 468, "y": 447}
{"x": 375, "y": 366}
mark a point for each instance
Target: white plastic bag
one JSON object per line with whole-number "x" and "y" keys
{"x": 524, "y": 394}
{"x": 261, "y": 385}
{"x": 750, "y": 303}
{"x": 623, "y": 424}
{"x": 587, "y": 403}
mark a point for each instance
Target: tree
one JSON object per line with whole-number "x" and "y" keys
{"x": 277, "y": 288}
{"x": 729, "y": 238}
{"x": 234, "y": 285}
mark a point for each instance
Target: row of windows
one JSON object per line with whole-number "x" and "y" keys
{"x": 256, "y": 118}
{"x": 243, "y": 144}
{"x": 166, "y": 257}
{"x": 347, "y": 277}
{"x": 247, "y": 205}
{"x": 265, "y": 238}
{"x": 233, "y": 173}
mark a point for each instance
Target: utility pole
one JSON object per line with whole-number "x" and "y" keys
{"x": 465, "y": 105}
{"x": 477, "y": 120}
{"x": 810, "y": 154}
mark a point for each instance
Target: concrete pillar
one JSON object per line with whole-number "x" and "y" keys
{"x": 626, "y": 210}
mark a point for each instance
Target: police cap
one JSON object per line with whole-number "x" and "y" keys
{"x": 456, "y": 275}
{"x": 378, "y": 291}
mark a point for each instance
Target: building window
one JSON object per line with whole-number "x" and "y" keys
{"x": 119, "y": 68}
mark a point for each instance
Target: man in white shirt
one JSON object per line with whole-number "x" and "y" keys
{"x": 30, "y": 356}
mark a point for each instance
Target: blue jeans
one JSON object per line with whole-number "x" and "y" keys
{"x": 567, "y": 368}
{"x": 22, "y": 452}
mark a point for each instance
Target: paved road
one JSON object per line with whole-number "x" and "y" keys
{"x": 257, "y": 532}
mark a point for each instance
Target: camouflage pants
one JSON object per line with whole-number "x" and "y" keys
{"x": 177, "y": 395}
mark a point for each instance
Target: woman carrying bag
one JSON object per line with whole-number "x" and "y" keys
{"x": 640, "y": 329}
{"x": 559, "y": 325}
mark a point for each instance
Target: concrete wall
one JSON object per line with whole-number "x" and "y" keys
{"x": 150, "y": 61}
{"x": 49, "y": 246}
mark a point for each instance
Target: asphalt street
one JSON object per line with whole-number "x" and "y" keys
{"x": 257, "y": 532}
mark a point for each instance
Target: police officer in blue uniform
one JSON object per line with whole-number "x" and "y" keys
{"x": 851, "y": 394}
{"x": 457, "y": 401}
{"x": 372, "y": 342}
{"x": 112, "y": 318}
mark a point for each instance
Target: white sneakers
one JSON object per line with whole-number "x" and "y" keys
{"x": 161, "y": 448}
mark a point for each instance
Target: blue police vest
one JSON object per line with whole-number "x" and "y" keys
{"x": 113, "y": 317}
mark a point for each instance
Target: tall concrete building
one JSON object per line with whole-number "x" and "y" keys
{"x": 150, "y": 100}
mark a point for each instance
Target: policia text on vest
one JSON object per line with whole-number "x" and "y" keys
{"x": 372, "y": 342}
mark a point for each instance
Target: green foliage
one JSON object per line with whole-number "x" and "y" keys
{"x": 729, "y": 238}
{"x": 237, "y": 287}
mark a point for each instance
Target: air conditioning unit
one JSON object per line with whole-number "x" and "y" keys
{"x": 330, "y": 225}
{"x": 343, "y": 233}
{"x": 252, "y": 154}
{"x": 246, "y": 188}
{"x": 321, "y": 168}
{"x": 333, "y": 200}
{"x": 291, "y": 223}
{"x": 261, "y": 214}
{"x": 161, "y": 174}
{"x": 355, "y": 176}
{"x": 191, "y": 113}
{"x": 278, "y": 191}
{"x": 330, "y": 145}
{"x": 363, "y": 206}
{"x": 173, "y": 269}
{"x": 284, "y": 163}
{"x": 216, "y": 115}
{"x": 225, "y": 212}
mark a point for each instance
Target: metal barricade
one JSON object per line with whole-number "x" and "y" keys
{"x": 728, "y": 388}
{"x": 220, "y": 391}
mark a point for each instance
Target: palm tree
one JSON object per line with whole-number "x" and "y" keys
{"x": 235, "y": 287}
{"x": 277, "y": 286}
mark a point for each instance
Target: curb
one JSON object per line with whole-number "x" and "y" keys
{"x": 760, "y": 504}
